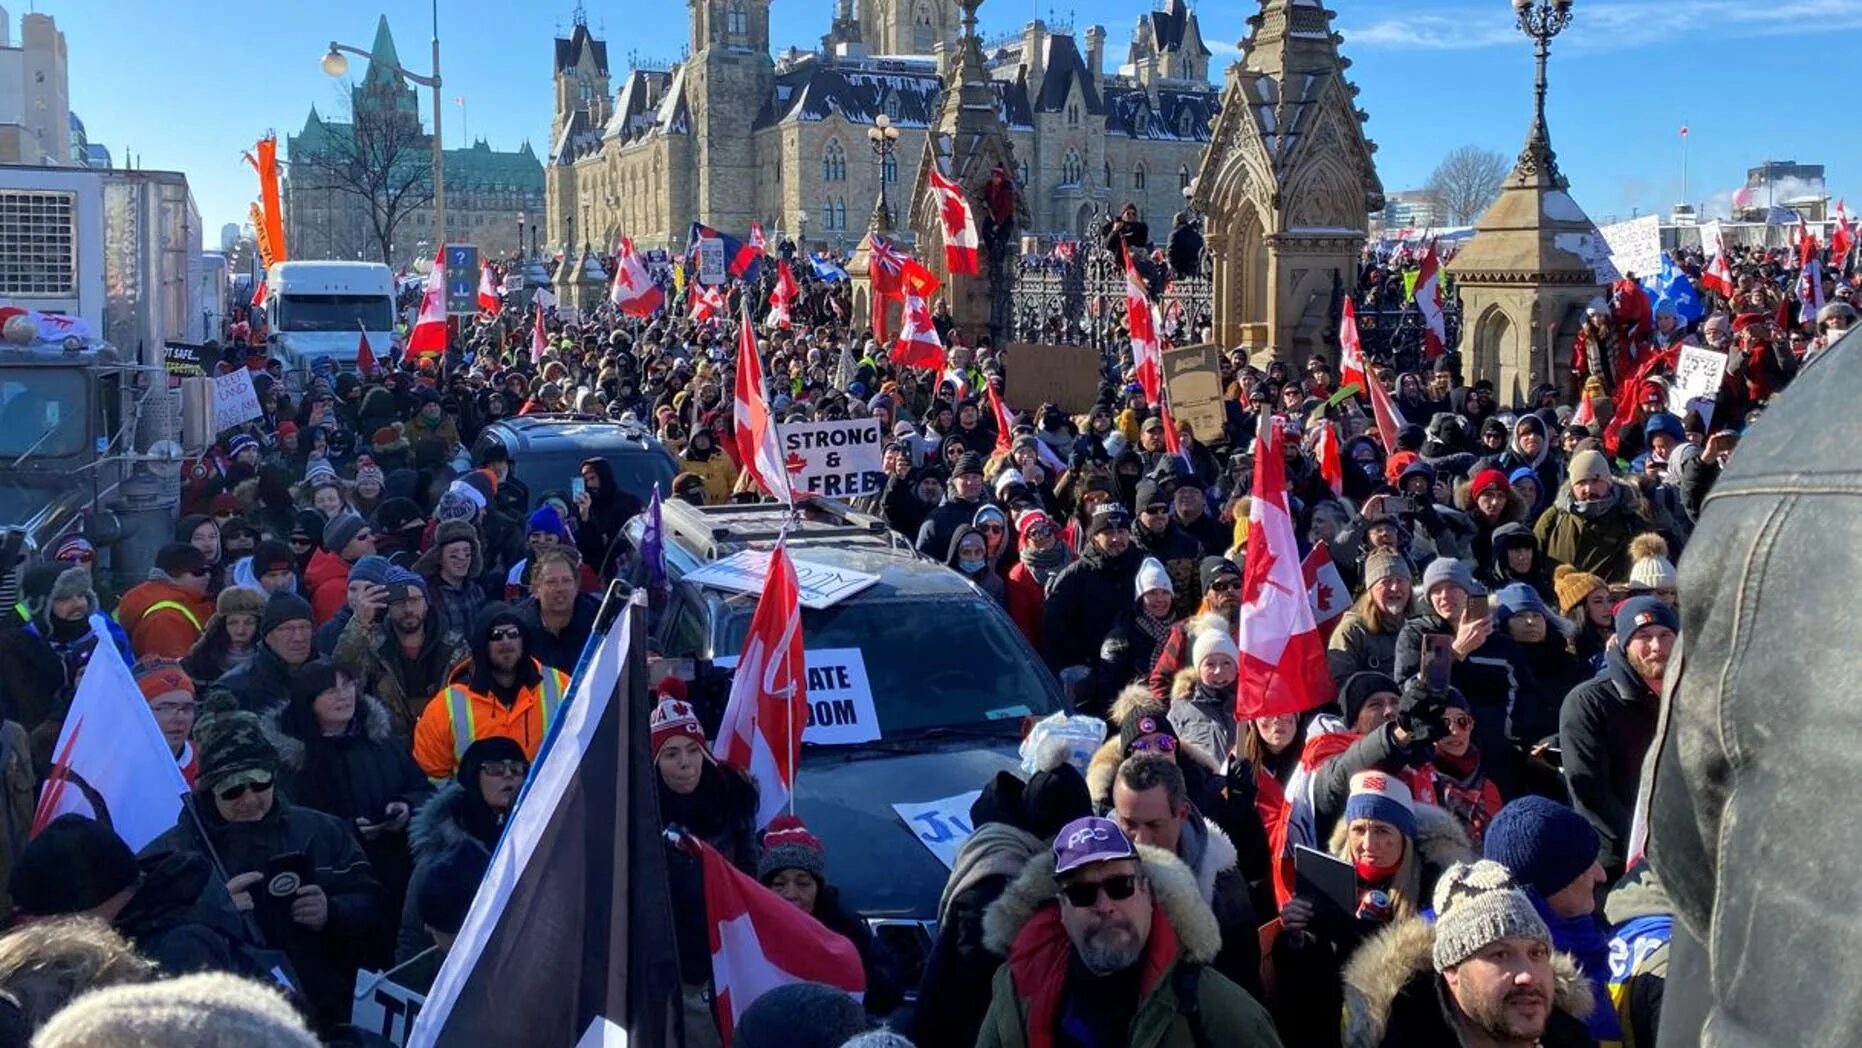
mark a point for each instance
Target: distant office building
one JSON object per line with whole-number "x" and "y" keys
{"x": 35, "y": 97}
{"x": 1410, "y": 209}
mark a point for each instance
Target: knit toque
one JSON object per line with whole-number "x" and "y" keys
{"x": 1477, "y": 903}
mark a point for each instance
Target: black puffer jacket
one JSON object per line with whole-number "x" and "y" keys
{"x": 609, "y": 509}
{"x": 182, "y": 921}
{"x": 259, "y": 683}
{"x": 1082, "y": 604}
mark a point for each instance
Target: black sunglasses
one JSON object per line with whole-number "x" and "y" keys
{"x": 506, "y": 633}
{"x": 233, "y": 793}
{"x": 505, "y": 768}
{"x": 1224, "y": 587}
{"x": 1086, "y": 893}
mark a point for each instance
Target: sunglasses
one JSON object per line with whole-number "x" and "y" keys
{"x": 1086, "y": 893}
{"x": 505, "y": 768}
{"x": 1156, "y": 510}
{"x": 991, "y": 529}
{"x": 507, "y": 633}
{"x": 233, "y": 793}
{"x": 1459, "y": 723}
{"x": 1160, "y": 744}
{"x": 1224, "y": 587}
{"x": 201, "y": 573}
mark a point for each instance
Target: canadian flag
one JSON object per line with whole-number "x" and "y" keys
{"x": 1331, "y": 598}
{"x": 760, "y": 941}
{"x": 757, "y": 243}
{"x": 1586, "y": 414}
{"x": 365, "y": 354}
{"x": 539, "y": 342}
{"x": 1351, "y": 350}
{"x": 755, "y": 430}
{"x": 1331, "y": 458}
{"x": 1283, "y": 667}
{"x": 634, "y": 292}
{"x": 762, "y": 728}
{"x": 1809, "y": 276}
{"x": 1389, "y": 418}
{"x": 919, "y": 345}
{"x": 707, "y": 304}
{"x": 1429, "y": 304}
{"x": 782, "y": 299}
{"x": 429, "y": 334}
{"x": 1141, "y": 318}
{"x": 1718, "y": 276}
{"x": 959, "y": 221}
{"x": 1842, "y": 238}
{"x": 1005, "y": 426}
{"x": 258, "y": 294}
{"x": 488, "y": 300}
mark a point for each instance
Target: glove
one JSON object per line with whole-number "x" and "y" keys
{"x": 1240, "y": 776}
{"x": 1422, "y": 714}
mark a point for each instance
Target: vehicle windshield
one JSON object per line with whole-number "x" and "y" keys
{"x": 41, "y": 404}
{"x": 544, "y": 472}
{"x": 319, "y": 313}
{"x": 931, "y": 664}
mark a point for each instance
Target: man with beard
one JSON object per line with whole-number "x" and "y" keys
{"x": 499, "y": 690}
{"x": 1087, "y": 596}
{"x": 1607, "y": 724}
{"x": 1592, "y": 520}
{"x": 400, "y": 657}
{"x": 1483, "y": 974}
{"x": 1158, "y": 535}
{"x": 1109, "y": 943}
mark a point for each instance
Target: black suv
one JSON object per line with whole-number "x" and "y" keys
{"x": 547, "y": 452}
{"x": 953, "y": 683}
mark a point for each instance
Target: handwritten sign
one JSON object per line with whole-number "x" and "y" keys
{"x": 839, "y": 459}
{"x": 941, "y": 825}
{"x": 1698, "y": 374}
{"x": 744, "y": 572}
{"x": 841, "y": 711}
{"x": 384, "y": 1007}
{"x": 1635, "y": 245}
{"x": 234, "y": 400}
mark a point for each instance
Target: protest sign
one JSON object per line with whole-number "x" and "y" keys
{"x": 384, "y": 1007}
{"x": 820, "y": 586}
{"x": 1635, "y": 245}
{"x": 1065, "y": 376}
{"x": 234, "y": 400}
{"x": 839, "y": 459}
{"x": 941, "y": 825}
{"x": 1698, "y": 374}
{"x": 710, "y": 260}
{"x": 1193, "y": 378}
{"x": 841, "y": 711}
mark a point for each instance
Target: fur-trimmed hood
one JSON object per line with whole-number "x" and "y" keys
{"x": 1172, "y": 885}
{"x": 1106, "y": 759}
{"x": 371, "y": 716}
{"x": 440, "y": 823}
{"x": 449, "y": 532}
{"x": 1388, "y": 961}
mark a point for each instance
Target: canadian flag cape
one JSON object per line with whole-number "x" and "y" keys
{"x": 1283, "y": 668}
{"x": 760, "y": 941}
{"x": 488, "y": 300}
{"x": 762, "y": 728}
{"x": 1351, "y": 350}
{"x": 755, "y": 428}
{"x": 919, "y": 345}
{"x": 110, "y": 762}
{"x": 1331, "y": 598}
{"x": 634, "y": 292}
{"x": 1429, "y": 304}
{"x": 429, "y": 334}
{"x": 1141, "y": 319}
{"x": 539, "y": 342}
{"x": 782, "y": 299}
{"x": 959, "y": 221}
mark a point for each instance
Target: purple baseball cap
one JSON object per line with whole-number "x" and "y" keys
{"x": 1083, "y": 842}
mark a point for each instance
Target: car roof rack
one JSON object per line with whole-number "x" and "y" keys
{"x": 737, "y": 525}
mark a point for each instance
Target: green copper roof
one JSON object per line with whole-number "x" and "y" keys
{"x": 386, "y": 58}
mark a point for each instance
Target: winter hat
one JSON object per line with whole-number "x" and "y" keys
{"x": 312, "y": 679}
{"x": 367, "y": 470}
{"x": 1358, "y": 689}
{"x": 1055, "y": 797}
{"x": 1588, "y": 465}
{"x": 446, "y": 888}
{"x": 1029, "y": 521}
{"x": 1663, "y": 422}
{"x": 1386, "y": 564}
{"x": 74, "y": 547}
{"x": 545, "y": 519}
{"x": 787, "y": 845}
{"x": 208, "y": 1010}
{"x": 1649, "y": 568}
{"x": 1149, "y": 718}
{"x": 1449, "y": 571}
{"x": 988, "y": 513}
{"x": 72, "y": 865}
{"x": 402, "y": 583}
{"x": 1008, "y": 478}
{"x": 233, "y": 747}
{"x": 1637, "y": 612}
{"x": 1485, "y": 479}
{"x": 1476, "y": 904}
{"x": 372, "y": 568}
{"x": 284, "y": 608}
{"x": 1545, "y": 845}
{"x": 225, "y": 502}
{"x": 1381, "y": 796}
{"x": 1523, "y": 473}
{"x": 272, "y": 555}
{"x": 881, "y": 1038}
{"x": 341, "y": 530}
{"x": 1107, "y": 517}
{"x": 318, "y": 471}
{"x": 968, "y": 462}
{"x": 1213, "y": 640}
{"x": 74, "y": 582}
{"x": 674, "y": 717}
{"x": 1518, "y": 597}
{"x": 1152, "y": 576}
{"x": 1573, "y": 586}
{"x": 800, "y": 1015}
{"x": 242, "y": 442}
{"x": 1212, "y": 568}
{"x": 177, "y": 559}
{"x": 308, "y": 525}
{"x": 158, "y": 676}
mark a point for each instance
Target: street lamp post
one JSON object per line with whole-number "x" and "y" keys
{"x": 885, "y": 140}
{"x": 1541, "y": 20}
{"x": 336, "y": 65}
{"x": 520, "y": 234}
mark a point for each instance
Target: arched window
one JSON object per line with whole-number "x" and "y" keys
{"x": 827, "y": 213}
{"x": 834, "y": 162}
{"x": 1183, "y": 176}
{"x": 1073, "y": 114}
{"x": 892, "y": 105}
{"x": 1137, "y": 177}
{"x": 1108, "y": 175}
{"x": 840, "y": 214}
{"x": 889, "y": 169}
{"x": 736, "y": 19}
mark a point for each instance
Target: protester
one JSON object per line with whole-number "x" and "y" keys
{"x": 452, "y": 567}
{"x": 794, "y": 866}
{"x": 1132, "y": 644}
{"x": 171, "y": 693}
{"x": 45, "y": 965}
{"x": 558, "y": 616}
{"x": 70, "y": 621}
{"x": 231, "y": 636}
{"x": 264, "y": 680}
{"x": 467, "y": 810}
{"x": 194, "y": 1011}
{"x": 346, "y": 540}
{"x": 165, "y": 615}
{"x": 400, "y": 652}
{"x": 1365, "y": 639}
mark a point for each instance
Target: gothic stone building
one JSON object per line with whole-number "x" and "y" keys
{"x": 734, "y": 135}
{"x": 486, "y": 189}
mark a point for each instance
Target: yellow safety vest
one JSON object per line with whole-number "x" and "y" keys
{"x": 173, "y": 605}
{"x": 459, "y": 711}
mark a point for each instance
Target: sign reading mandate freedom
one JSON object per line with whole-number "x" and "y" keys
{"x": 839, "y": 459}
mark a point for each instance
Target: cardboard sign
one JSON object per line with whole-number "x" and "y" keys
{"x": 1193, "y": 382}
{"x": 234, "y": 400}
{"x": 462, "y": 279}
{"x": 820, "y": 586}
{"x": 840, "y": 459}
{"x": 942, "y": 825}
{"x": 1635, "y": 245}
{"x": 1698, "y": 374}
{"x": 1066, "y": 376}
{"x": 384, "y": 1007}
{"x": 841, "y": 711}
{"x": 512, "y": 283}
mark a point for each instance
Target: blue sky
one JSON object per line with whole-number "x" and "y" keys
{"x": 188, "y": 84}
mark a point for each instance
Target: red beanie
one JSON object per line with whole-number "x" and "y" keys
{"x": 1487, "y": 478}
{"x": 675, "y": 717}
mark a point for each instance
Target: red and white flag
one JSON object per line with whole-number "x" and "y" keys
{"x": 111, "y": 763}
{"x": 258, "y": 293}
{"x": 760, "y": 941}
{"x": 1331, "y": 458}
{"x": 488, "y": 298}
{"x": 634, "y": 292}
{"x": 758, "y": 446}
{"x": 782, "y": 299}
{"x": 1586, "y": 414}
{"x": 1809, "y": 275}
{"x": 1141, "y": 318}
{"x": 1842, "y": 237}
{"x": 757, "y": 243}
{"x": 1718, "y": 276}
{"x": 1351, "y": 350}
{"x": 539, "y": 342}
{"x": 707, "y": 303}
{"x": 919, "y": 345}
{"x": 429, "y": 335}
{"x": 959, "y": 221}
{"x": 1389, "y": 418}
{"x": 762, "y": 728}
{"x": 1283, "y": 667}
{"x": 1005, "y": 426}
{"x": 1429, "y": 304}
{"x": 365, "y": 353}
{"x": 1331, "y": 598}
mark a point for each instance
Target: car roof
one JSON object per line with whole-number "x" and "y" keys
{"x": 544, "y": 433}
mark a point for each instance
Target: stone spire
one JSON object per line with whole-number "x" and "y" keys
{"x": 1292, "y": 36}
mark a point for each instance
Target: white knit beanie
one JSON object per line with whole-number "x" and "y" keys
{"x": 1213, "y": 640}
{"x": 209, "y": 1010}
{"x": 1152, "y": 576}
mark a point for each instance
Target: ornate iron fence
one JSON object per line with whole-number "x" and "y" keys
{"x": 1077, "y": 298}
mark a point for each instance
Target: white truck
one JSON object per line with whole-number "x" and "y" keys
{"x": 316, "y": 312}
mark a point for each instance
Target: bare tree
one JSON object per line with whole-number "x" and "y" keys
{"x": 1466, "y": 181}
{"x": 381, "y": 159}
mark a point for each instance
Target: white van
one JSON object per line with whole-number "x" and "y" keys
{"x": 317, "y": 311}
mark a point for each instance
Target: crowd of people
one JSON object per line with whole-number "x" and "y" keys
{"x": 356, "y": 642}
